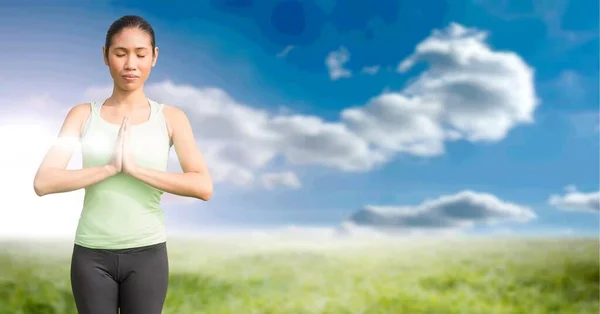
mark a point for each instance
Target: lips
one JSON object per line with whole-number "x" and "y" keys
{"x": 130, "y": 77}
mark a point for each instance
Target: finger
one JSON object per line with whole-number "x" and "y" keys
{"x": 126, "y": 133}
{"x": 123, "y": 125}
{"x": 126, "y": 136}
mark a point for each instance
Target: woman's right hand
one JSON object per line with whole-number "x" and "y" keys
{"x": 116, "y": 162}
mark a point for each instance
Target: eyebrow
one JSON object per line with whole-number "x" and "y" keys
{"x": 138, "y": 48}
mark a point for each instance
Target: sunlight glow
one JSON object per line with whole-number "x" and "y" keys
{"x": 24, "y": 214}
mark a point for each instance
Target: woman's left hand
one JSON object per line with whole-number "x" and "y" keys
{"x": 129, "y": 165}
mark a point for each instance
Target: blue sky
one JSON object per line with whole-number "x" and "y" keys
{"x": 270, "y": 61}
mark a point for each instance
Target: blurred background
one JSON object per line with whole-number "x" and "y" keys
{"x": 329, "y": 120}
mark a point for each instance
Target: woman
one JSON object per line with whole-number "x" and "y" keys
{"x": 120, "y": 258}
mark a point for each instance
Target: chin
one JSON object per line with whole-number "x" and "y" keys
{"x": 129, "y": 87}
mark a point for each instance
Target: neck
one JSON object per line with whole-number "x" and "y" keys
{"x": 127, "y": 98}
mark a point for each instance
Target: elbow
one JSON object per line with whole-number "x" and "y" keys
{"x": 38, "y": 188}
{"x": 205, "y": 193}
{"x": 40, "y": 184}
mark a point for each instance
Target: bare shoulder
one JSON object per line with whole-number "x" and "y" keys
{"x": 175, "y": 117}
{"x": 174, "y": 114}
{"x": 80, "y": 110}
{"x": 77, "y": 115}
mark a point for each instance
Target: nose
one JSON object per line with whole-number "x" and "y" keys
{"x": 130, "y": 63}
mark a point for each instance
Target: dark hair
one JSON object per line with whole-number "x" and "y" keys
{"x": 129, "y": 21}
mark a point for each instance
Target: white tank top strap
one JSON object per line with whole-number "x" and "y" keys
{"x": 96, "y": 106}
{"x": 155, "y": 106}
{"x": 93, "y": 111}
{"x": 160, "y": 118}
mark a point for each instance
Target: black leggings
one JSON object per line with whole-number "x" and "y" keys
{"x": 132, "y": 280}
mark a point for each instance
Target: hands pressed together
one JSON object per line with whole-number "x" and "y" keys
{"x": 123, "y": 160}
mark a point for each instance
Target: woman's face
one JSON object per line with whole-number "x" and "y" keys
{"x": 130, "y": 58}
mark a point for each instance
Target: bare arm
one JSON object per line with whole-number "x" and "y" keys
{"x": 195, "y": 181}
{"x": 52, "y": 175}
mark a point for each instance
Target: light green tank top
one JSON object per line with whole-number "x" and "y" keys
{"x": 120, "y": 211}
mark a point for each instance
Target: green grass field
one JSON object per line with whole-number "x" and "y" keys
{"x": 409, "y": 276}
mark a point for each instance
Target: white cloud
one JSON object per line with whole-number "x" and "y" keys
{"x": 468, "y": 92}
{"x": 447, "y": 213}
{"x": 36, "y": 108}
{"x": 310, "y": 140}
{"x": 584, "y": 124}
{"x": 371, "y": 70}
{"x": 284, "y": 179}
{"x": 572, "y": 85}
{"x": 283, "y": 53}
{"x": 398, "y": 123}
{"x": 335, "y": 61}
{"x": 575, "y": 200}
